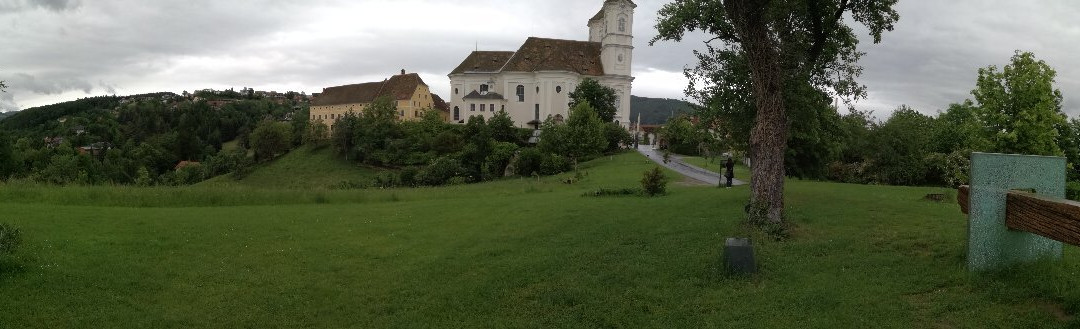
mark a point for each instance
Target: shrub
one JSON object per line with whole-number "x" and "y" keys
{"x": 10, "y": 238}
{"x": 554, "y": 164}
{"x": 1072, "y": 191}
{"x": 439, "y": 171}
{"x": 654, "y": 183}
{"x": 616, "y": 192}
{"x": 407, "y": 176}
{"x": 528, "y": 161}
{"x": 386, "y": 180}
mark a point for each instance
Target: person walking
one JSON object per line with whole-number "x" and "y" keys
{"x": 730, "y": 174}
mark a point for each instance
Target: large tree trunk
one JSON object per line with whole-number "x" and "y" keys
{"x": 768, "y": 140}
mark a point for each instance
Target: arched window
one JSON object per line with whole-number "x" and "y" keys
{"x": 558, "y": 89}
{"x": 521, "y": 93}
{"x": 457, "y": 114}
{"x": 622, "y": 24}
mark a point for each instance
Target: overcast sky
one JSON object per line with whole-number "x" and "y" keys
{"x": 58, "y": 50}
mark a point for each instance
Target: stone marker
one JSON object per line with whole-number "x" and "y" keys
{"x": 739, "y": 256}
{"x": 991, "y": 244}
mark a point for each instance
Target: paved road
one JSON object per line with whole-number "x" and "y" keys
{"x": 677, "y": 164}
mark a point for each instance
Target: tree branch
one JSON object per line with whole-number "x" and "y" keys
{"x": 821, "y": 35}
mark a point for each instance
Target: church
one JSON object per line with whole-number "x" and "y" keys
{"x": 534, "y": 82}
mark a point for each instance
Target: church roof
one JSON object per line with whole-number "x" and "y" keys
{"x": 477, "y": 95}
{"x": 541, "y": 54}
{"x": 398, "y": 87}
{"x": 483, "y": 61}
{"x": 600, "y": 15}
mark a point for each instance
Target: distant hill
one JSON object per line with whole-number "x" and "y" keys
{"x": 655, "y": 111}
{"x": 35, "y": 116}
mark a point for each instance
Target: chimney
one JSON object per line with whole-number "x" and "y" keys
{"x": 402, "y": 71}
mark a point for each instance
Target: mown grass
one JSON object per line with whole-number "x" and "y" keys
{"x": 513, "y": 253}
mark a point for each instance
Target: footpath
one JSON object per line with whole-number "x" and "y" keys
{"x": 677, "y": 164}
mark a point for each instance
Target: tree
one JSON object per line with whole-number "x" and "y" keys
{"x": 502, "y": 128}
{"x": 901, "y": 146}
{"x": 1019, "y": 107}
{"x": 601, "y": 98}
{"x": 580, "y": 138}
{"x": 316, "y": 134}
{"x": 270, "y": 139}
{"x": 786, "y": 45}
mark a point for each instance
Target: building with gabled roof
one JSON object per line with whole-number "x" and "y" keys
{"x": 408, "y": 91}
{"x": 534, "y": 82}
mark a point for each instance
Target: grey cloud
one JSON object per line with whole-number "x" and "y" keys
{"x": 53, "y": 5}
{"x": 7, "y": 102}
{"x": 48, "y": 86}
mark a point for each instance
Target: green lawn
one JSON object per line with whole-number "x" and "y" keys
{"x": 512, "y": 253}
{"x": 304, "y": 168}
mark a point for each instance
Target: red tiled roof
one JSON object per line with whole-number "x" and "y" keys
{"x": 484, "y": 61}
{"x": 540, "y": 54}
{"x": 398, "y": 87}
{"x": 440, "y": 104}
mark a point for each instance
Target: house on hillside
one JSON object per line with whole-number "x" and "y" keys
{"x": 534, "y": 82}
{"x": 411, "y": 95}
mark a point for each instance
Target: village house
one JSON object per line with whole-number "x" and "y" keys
{"x": 534, "y": 82}
{"x": 411, "y": 95}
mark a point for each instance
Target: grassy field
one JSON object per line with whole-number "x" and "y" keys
{"x": 518, "y": 253}
{"x": 304, "y": 168}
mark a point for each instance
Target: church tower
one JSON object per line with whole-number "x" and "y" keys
{"x": 614, "y": 26}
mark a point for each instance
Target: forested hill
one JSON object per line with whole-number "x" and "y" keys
{"x": 35, "y": 117}
{"x": 655, "y": 111}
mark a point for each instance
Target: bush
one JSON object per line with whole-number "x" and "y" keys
{"x": 10, "y": 238}
{"x": 1072, "y": 191}
{"x": 528, "y": 161}
{"x": 615, "y": 192}
{"x": 554, "y": 164}
{"x": 386, "y": 180}
{"x": 654, "y": 183}
{"x": 439, "y": 171}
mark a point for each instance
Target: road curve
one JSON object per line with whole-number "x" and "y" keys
{"x": 677, "y": 164}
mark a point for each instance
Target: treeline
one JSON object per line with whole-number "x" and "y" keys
{"x": 1015, "y": 110}
{"x": 134, "y": 140}
{"x": 431, "y": 152}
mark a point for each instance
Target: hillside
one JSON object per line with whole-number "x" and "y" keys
{"x": 655, "y": 111}
{"x": 303, "y": 168}
{"x": 5, "y": 115}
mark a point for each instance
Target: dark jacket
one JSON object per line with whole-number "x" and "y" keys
{"x": 730, "y": 166}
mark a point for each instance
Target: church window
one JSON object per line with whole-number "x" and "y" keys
{"x": 537, "y": 89}
{"x": 492, "y": 107}
{"x": 536, "y": 113}
{"x": 483, "y": 107}
{"x": 622, "y": 24}
{"x": 472, "y": 107}
{"x": 455, "y": 91}
{"x": 521, "y": 93}
{"x": 558, "y": 89}
{"x": 483, "y": 89}
{"x": 457, "y": 114}
{"x": 502, "y": 107}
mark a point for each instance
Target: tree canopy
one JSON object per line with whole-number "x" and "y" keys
{"x": 601, "y": 98}
{"x": 1019, "y": 107}
{"x": 772, "y": 54}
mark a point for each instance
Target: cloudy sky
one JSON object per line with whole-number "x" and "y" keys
{"x": 57, "y": 50}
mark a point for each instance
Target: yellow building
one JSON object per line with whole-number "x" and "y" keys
{"x": 408, "y": 91}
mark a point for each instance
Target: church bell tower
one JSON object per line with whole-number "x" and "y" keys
{"x": 616, "y": 36}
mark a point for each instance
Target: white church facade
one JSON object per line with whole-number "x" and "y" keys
{"x": 535, "y": 81}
